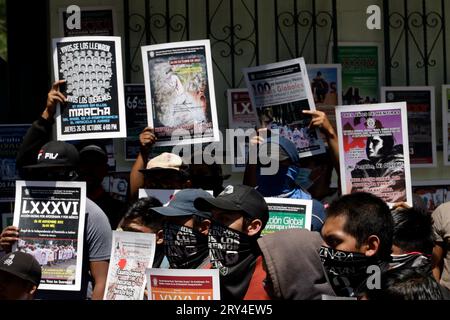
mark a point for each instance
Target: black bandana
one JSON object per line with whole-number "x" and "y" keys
{"x": 346, "y": 270}
{"x": 410, "y": 260}
{"x": 234, "y": 254}
{"x": 184, "y": 247}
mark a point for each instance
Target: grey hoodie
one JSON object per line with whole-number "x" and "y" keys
{"x": 294, "y": 266}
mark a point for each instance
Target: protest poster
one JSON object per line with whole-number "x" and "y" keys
{"x": 179, "y": 87}
{"x": 326, "y": 86}
{"x": 11, "y": 137}
{"x": 241, "y": 115}
{"x": 421, "y": 122}
{"x": 280, "y": 92}
{"x": 116, "y": 185}
{"x": 51, "y": 216}
{"x": 183, "y": 284}
{"x": 163, "y": 195}
{"x": 136, "y": 111}
{"x": 373, "y": 151}
{"x": 131, "y": 254}
{"x": 94, "y": 21}
{"x": 288, "y": 214}
{"x": 7, "y": 220}
{"x": 445, "y": 123}
{"x": 433, "y": 192}
{"x": 95, "y": 107}
{"x": 361, "y": 71}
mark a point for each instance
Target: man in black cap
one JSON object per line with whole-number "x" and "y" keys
{"x": 20, "y": 275}
{"x": 58, "y": 161}
{"x": 185, "y": 231}
{"x": 239, "y": 214}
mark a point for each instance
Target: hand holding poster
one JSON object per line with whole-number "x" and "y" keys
{"x": 131, "y": 254}
{"x": 183, "y": 284}
{"x": 288, "y": 214}
{"x": 92, "y": 70}
{"x": 373, "y": 151}
{"x": 281, "y": 91}
{"x": 179, "y": 86}
{"x": 50, "y": 216}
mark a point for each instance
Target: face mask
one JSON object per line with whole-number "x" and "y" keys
{"x": 227, "y": 247}
{"x": 302, "y": 178}
{"x": 409, "y": 260}
{"x": 184, "y": 247}
{"x": 346, "y": 270}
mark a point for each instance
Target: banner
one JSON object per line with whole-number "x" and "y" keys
{"x": 421, "y": 122}
{"x": 288, "y": 214}
{"x": 179, "y": 86}
{"x": 281, "y": 91}
{"x": 50, "y": 216}
{"x": 326, "y": 86}
{"x": 183, "y": 284}
{"x": 95, "y": 107}
{"x": 95, "y": 21}
{"x": 136, "y": 110}
{"x": 131, "y": 254}
{"x": 11, "y": 137}
{"x": 373, "y": 151}
{"x": 445, "y": 123}
{"x": 241, "y": 115}
{"x": 361, "y": 72}
{"x": 433, "y": 192}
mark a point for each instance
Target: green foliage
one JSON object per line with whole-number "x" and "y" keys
{"x": 3, "y": 33}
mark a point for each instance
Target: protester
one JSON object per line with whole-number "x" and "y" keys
{"x": 239, "y": 215}
{"x": 441, "y": 252}
{"x": 62, "y": 166}
{"x": 20, "y": 275}
{"x": 141, "y": 218}
{"x": 186, "y": 230}
{"x": 405, "y": 284}
{"x": 357, "y": 234}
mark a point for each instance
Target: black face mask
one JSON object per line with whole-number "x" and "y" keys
{"x": 410, "y": 260}
{"x": 346, "y": 270}
{"x": 184, "y": 247}
{"x": 227, "y": 247}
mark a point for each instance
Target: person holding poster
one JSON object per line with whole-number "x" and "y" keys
{"x": 57, "y": 161}
{"x": 94, "y": 109}
{"x": 239, "y": 214}
{"x": 374, "y": 153}
{"x": 180, "y": 95}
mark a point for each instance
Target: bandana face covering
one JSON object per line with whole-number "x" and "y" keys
{"x": 409, "y": 260}
{"x": 184, "y": 247}
{"x": 227, "y": 247}
{"x": 346, "y": 270}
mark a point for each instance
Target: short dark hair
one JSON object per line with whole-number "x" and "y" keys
{"x": 413, "y": 230}
{"x": 141, "y": 210}
{"x": 406, "y": 284}
{"x": 388, "y": 144}
{"x": 366, "y": 215}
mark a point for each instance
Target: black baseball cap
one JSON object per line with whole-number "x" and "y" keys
{"x": 182, "y": 204}
{"x": 56, "y": 154}
{"x": 237, "y": 198}
{"x": 22, "y": 265}
{"x": 93, "y": 152}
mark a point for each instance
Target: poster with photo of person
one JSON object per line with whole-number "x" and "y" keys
{"x": 11, "y": 137}
{"x": 51, "y": 217}
{"x": 241, "y": 115}
{"x": 280, "y": 92}
{"x": 362, "y": 73}
{"x": 421, "y": 122}
{"x": 179, "y": 86}
{"x": 433, "y": 192}
{"x": 94, "y": 21}
{"x": 326, "y": 86}
{"x": 92, "y": 69}
{"x": 374, "y": 152}
{"x": 131, "y": 254}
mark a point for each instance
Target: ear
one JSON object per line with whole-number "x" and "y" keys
{"x": 204, "y": 226}
{"x": 372, "y": 246}
{"x": 254, "y": 227}
{"x": 159, "y": 237}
